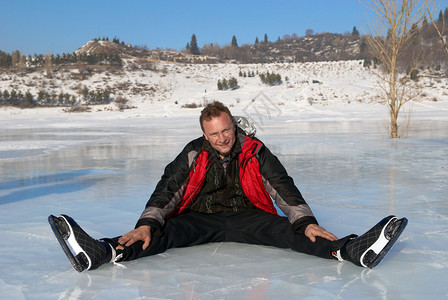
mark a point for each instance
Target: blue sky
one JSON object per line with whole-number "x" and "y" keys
{"x": 63, "y": 26}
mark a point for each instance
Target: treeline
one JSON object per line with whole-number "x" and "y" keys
{"x": 225, "y": 84}
{"x": 266, "y": 78}
{"x": 424, "y": 47}
{"x": 312, "y": 46}
{"x": 44, "y": 98}
{"x": 271, "y": 78}
{"x": 17, "y": 60}
{"x": 262, "y": 50}
{"x": 114, "y": 40}
{"x": 248, "y": 74}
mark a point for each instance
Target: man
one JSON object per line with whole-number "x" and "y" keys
{"x": 220, "y": 188}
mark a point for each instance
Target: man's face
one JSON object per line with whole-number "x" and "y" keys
{"x": 220, "y": 132}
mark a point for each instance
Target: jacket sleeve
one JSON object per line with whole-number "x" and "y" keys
{"x": 283, "y": 191}
{"x": 170, "y": 189}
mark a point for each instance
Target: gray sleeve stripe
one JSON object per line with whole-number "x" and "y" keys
{"x": 191, "y": 156}
{"x": 160, "y": 214}
{"x": 293, "y": 213}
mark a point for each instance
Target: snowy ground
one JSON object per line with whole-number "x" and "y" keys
{"x": 101, "y": 167}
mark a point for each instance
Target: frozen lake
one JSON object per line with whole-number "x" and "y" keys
{"x": 350, "y": 173}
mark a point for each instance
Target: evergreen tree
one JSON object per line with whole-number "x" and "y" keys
{"x": 355, "y": 31}
{"x": 72, "y": 100}
{"x": 266, "y": 38}
{"x": 219, "y": 85}
{"x": 67, "y": 99}
{"x": 234, "y": 42}
{"x": 224, "y": 84}
{"x": 271, "y": 78}
{"x": 61, "y": 98}
{"x": 6, "y": 96}
{"x": 415, "y": 39}
{"x": 440, "y": 16}
{"x": 445, "y": 14}
{"x": 194, "y": 49}
{"x": 28, "y": 99}
{"x": 256, "y": 40}
{"x": 5, "y": 60}
{"x": 278, "y": 78}
{"x": 85, "y": 93}
{"x": 13, "y": 97}
{"x": 53, "y": 99}
{"x": 233, "y": 83}
{"x": 424, "y": 22}
{"x": 20, "y": 98}
{"x": 41, "y": 96}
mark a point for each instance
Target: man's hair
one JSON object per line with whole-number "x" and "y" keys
{"x": 213, "y": 110}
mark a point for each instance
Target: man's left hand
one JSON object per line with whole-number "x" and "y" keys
{"x": 313, "y": 230}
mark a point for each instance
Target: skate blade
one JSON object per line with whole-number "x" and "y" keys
{"x": 63, "y": 234}
{"x": 375, "y": 254}
{"x": 80, "y": 253}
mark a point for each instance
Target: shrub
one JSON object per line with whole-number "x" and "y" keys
{"x": 121, "y": 103}
{"x": 271, "y": 78}
{"x": 78, "y": 109}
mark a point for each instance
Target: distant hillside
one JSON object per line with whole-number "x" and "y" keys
{"x": 101, "y": 47}
{"x": 319, "y": 47}
{"x": 310, "y": 48}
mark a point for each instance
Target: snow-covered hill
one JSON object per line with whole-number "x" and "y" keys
{"x": 167, "y": 89}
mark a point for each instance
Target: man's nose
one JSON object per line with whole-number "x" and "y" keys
{"x": 221, "y": 137}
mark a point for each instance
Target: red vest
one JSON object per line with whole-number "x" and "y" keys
{"x": 250, "y": 178}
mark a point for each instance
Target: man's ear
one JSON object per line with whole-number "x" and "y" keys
{"x": 205, "y": 136}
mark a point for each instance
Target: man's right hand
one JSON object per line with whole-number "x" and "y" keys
{"x": 141, "y": 233}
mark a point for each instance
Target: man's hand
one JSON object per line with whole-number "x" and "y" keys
{"x": 313, "y": 230}
{"x": 141, "y": 233}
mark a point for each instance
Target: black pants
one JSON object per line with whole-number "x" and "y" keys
{"x": 251, "y": 226}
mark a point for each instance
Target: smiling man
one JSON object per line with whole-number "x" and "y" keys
{"x": 222, "y": 188}
{"x": 220, "y": 132}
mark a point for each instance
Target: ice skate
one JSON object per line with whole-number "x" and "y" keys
{"x": 83, "y": 251}
{"x": 370, "y": 248}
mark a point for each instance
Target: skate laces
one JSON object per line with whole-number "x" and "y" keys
{"x": 116, "y": 258}
{"x": 116, "y": 262}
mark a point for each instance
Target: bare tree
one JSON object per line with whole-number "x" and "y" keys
{"x": 48, "y": 64}
{"x": 22, "y": 63}
{"x": 388, "y": 35}
{"x": 440, "y": 31}
{"x": 15, "y": 59}
{"x": 213, "y": 49}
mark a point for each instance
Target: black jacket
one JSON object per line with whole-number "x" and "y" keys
{"x": 279, "y": 185}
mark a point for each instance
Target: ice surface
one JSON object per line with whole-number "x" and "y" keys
{"x": 350, "y": 173}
